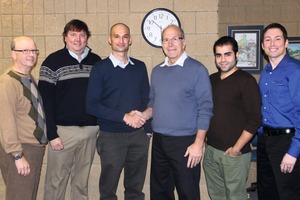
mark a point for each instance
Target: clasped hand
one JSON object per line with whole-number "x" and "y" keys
{"x": 135, "y": 119}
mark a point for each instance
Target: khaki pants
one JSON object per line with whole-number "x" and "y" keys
{"x": 22, "y": 187}
{"x": 226, "y": 176}
{"x": 74, "y": 160}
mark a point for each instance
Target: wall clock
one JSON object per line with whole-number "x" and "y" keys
{"x": 154, "y": 23}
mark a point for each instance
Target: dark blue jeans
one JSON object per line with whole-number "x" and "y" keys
{"x": 118, "y": 151}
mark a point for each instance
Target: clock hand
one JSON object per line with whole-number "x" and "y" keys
{"x": 157, "y": 25}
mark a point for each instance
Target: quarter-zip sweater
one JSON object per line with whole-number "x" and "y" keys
{"x": 63, "y": 83}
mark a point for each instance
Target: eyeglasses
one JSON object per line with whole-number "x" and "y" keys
{"x": 27, "y": 51}
{"x": 173, "y": 39}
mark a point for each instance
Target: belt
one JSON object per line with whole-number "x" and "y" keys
{"x": 268, "y": 131}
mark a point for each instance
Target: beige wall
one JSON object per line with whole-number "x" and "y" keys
{"x": 202, "y": 20}
{"x": 259, "y": 12}
{"x": 44, "y": 21}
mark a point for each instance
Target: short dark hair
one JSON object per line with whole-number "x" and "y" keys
{"x": 274, "y": 25}
{"x": 76, "y": 25}
{"x": 226, "y": 40}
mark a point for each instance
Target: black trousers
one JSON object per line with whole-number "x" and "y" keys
{"x": 272, "y": 183}
{"x": 169, "y": 169}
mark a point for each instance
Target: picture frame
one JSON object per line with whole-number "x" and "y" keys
{"x": 250, "y": 56}
{"x": 294, "y": 47}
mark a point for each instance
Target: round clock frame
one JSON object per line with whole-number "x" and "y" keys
{"x": 154, "y": 23}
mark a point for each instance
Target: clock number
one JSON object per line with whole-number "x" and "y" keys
{"x": 150, "y": 22}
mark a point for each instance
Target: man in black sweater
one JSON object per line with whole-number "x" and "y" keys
{"x": 119, "y": 86}
{"x": 236, "y": 118}
{"x": 71, "y": 131}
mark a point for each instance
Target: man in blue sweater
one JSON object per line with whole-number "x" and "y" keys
{"x": 71, "y": 131}
{"x": 118, "y": 85}
{"x": 181, "y": 105}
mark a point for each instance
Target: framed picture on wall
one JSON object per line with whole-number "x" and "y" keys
{"x": 250, "y": 57}
{"x": 294, "y": 47}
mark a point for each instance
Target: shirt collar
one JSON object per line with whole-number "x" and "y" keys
{"x": 281, "y": 64}
{"x": 117, "y": 62}
{"x": 179, "y": 62}
{"x": 83, "y": 55}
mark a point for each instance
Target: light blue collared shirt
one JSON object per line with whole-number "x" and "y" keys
{"x": 83, "y": 55}
{"x": 119, "y": 63}
{"x": 179, "y": 62}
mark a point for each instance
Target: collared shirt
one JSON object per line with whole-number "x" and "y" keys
{"x": 83, "y": 55}
{"x": 119, "y": 63}
{"x": 281, "y": 98}
{"x": 179, "y": 62}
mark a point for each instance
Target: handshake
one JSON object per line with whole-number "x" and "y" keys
{"x": 136, "y": 119}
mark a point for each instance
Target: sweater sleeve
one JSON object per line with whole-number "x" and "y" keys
{"x": 94, "y": 105}
{"x": 8, "y": 123}
{"x": 47, "y": 89}
{"x": 203, "y": 94}
{"x": 252, "y": 102}
{"x": 145, "y": 97}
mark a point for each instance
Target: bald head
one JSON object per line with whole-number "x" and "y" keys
{"x": 117, "y": 25}
{"x": 21, "y": 41}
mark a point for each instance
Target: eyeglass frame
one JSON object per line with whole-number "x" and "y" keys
{"x": 27, "y": 51}
{"x": 173, "y": 39}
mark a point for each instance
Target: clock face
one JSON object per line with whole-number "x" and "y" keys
{"x": 154, "y": 23}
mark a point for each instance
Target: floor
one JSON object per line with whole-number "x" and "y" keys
{"x": 94, "y": 178}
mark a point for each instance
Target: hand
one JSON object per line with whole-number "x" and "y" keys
{"x": 56, "y": 144}
{"x": 22, "y": 166}
{"x": 195, "y": 153}
{"x": 232, "y": 152}
{"x": 287, "y": 163}
{"x": 134, "y": 119}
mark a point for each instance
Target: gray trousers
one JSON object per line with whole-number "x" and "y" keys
{"x": 118, "y": 151}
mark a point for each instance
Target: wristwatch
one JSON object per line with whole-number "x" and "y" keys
{"x": 18, "y": 156}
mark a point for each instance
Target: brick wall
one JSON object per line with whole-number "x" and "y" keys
{"x": 258, "y": 12}
{"x": 44, "y": 21}
{"x": 203, "y": 21}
